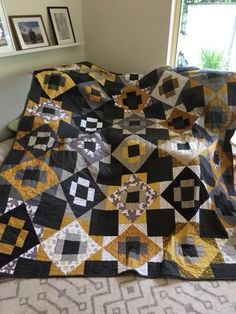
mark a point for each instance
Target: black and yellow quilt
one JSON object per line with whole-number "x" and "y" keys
{"x": 112, "y": 173}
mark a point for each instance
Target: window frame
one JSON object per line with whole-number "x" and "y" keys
{"x": 175, "y": 20}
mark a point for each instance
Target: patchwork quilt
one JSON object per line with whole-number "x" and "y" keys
{"x": 115, "y": 173}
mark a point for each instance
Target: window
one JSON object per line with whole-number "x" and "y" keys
{"x": 204, "y": 34}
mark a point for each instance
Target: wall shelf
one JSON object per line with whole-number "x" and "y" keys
{"x": 42, "y": 49}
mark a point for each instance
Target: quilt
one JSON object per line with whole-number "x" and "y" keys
{"x": 115, "y": 173}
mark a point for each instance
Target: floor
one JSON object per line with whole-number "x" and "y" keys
{"x": 122, "y": 295}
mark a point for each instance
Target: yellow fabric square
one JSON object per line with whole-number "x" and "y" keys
{"x": 21, "y": 238}
{"x": 16, "y": 223}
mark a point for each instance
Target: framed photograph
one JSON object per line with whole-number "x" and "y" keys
{"x": 6, "y": 41}
{"x": 62, "y": 26}
{"x": 29, "y": 31}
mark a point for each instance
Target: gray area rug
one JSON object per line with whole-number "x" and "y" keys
{"x": 126, "y": 294}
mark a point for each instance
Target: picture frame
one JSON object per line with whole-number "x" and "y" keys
{"x": 62, "y": 25}
{"x": 29, "y": 31}
{"x": 6, "y": 40}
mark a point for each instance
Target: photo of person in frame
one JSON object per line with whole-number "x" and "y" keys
{"x": 30, "y": 32}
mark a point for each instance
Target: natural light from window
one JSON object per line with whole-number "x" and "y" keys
{"x": 207, "y": 34}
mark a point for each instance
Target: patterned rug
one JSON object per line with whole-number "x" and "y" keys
{"x": 113, "y": 173}
{"x": 121, "y": 295}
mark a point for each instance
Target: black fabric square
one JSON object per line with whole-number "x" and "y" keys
{"x": 153, "y": 135}
{"x": 183, "y": 146}
{"x": 70, "y": 247}
{"x": 133, "y": 246}
{"x": 193, "y": 98}
{"x": 189, "y": 250}
{"x": 206, "y": 171}
{"x": 42, "y": 140}
{"x": 150, "y": 79}
{"x": 54, "y": 81}
{"x": 170, "y": 268}
{"x": 231, "y": 93}
{"x": 133, "y": 197}
{"x": 187, "y": 194}
{"x": 224, "y": 271}
{"x": 32, "y": 175}
{"x": 111, "y": 112}
{"x": 63, "y": 159}
{"x": 133, "y": 150}
{"x": 134, "y": 123}
{"x": 27, "y": 268}
{"x": 133, "y": 76}
{"x": 110, "y": 174}
{"x": 90, "y": 146}
{"x": 4, "y": 192}
{"x": 26, "y": 124}
{"x": 101, "y": 268}
{"x": 91, "y": 125}
{"x": 156, "y": 111}
{"x": 50, "y": 212}
{"x": 104, "y": 223}
{"x": 113, "y": 88}
{"x": 164, "y": 171}
{"x": 50, "y": 111}
{"x": 95, "y": 92}
{"x": 14, "y": 157}
{"x": 216, "y": 118}
{"x": 229, "y": 181}
{"x": 226, "y": 207}
{"x": 210, "y": 225}
{"x": 201, "y": 133}
{"x": 154, "y": 269}
{"x": 226, "y": 142}
{"x": 132, "y": 101}
{"x": 66, "y": 130}
{"x": 179, "y": 123}
{"x": 160, "y": 222}
{"x": 82, "y": 192}
{"x": 10, "y": 235}
{"x": 168, "y": 86}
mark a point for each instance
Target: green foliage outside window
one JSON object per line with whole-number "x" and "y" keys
{"x": 213, "y": 59}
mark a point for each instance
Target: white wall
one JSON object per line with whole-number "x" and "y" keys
{"x": 30, "y": 62}
{"x": 127, "y": 35}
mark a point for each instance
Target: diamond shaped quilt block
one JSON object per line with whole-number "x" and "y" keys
{"x": 132, "y": 98}
{"x": 39, "y": 141}
{"x": 133, "y": 152}
{"x": 186, "y": 193}
{"x": 93, "y": 94}
{"x": 82, "y": 193}
{"x": 54, "y": 83}
{"x": 70, "y": 247}
{"x": 133, "y": 197}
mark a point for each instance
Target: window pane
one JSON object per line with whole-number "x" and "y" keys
{"x": 207, "y": 36}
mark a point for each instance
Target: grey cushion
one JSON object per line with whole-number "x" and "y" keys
{"x": 5, "y": 147}
{"x": 13, "y": 95}
{"x": 13, "y": 125}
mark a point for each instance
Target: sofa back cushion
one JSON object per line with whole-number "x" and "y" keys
{"x": 13, "y": 94}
